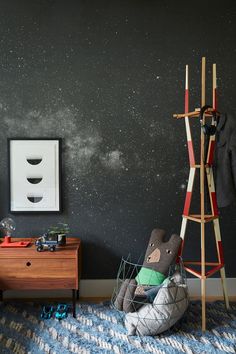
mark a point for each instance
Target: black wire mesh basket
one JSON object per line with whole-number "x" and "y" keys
{"x": 150, "y": 310}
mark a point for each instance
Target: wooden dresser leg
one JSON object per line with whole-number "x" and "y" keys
{"x": 74, "y": 295}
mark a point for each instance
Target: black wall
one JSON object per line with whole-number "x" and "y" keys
{"x": 106, "y": 76}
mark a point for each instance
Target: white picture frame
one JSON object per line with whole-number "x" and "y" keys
{"x": 34, "y": 175}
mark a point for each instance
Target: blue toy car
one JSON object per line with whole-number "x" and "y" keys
{"x": 61, "y": 311}
{"x": 47, "y": 312}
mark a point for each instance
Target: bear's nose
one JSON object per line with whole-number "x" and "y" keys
{"x": 154, "y": 257}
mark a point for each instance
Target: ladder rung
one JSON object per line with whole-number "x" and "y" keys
{"x": 198, "y": 274}
{"x": 199, "y": 263}
{"x": 197, "y": 218}
{"x": 214, "y": 270}
{"x": 193, "y": 271}
{"x": 194, "y": 114}
{"x": 207, "y": 165}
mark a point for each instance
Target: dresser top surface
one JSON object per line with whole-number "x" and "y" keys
{"x": 69, "y": 250}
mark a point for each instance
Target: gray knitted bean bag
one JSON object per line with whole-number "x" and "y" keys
{"x": 167, "y": 308}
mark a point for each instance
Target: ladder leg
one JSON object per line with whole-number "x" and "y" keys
{"x": 189, "y": 192}
{"x": 203, "y": 277}
{"x": 216, "y": 224}
{"x": 221, "y": 260}
{"x": 202, "y": 203}
{"x": 203, "y": 294}
{"x": 211, "y": 190}
{"x": 191, "y": 162}
{"x": 224, "y": 287}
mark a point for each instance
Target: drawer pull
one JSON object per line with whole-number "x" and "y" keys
{"x": 28, "y": 264}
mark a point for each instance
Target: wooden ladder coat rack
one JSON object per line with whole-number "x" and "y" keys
{"x": 205, "y": 167}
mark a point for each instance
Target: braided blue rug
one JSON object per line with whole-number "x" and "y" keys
{"x": 99, "y": 329}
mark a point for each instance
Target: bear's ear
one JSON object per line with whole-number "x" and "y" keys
{"x": 157, "y": 236}
{"x": 174, "y": 241}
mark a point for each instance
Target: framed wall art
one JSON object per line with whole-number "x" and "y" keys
{"x": 34, "y": 175}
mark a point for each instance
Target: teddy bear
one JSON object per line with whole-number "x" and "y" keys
{"x": 159, "y": 255}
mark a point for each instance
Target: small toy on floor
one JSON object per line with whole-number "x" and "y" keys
{"x": 59, "y": 312}
{"x": 47, "y": 312}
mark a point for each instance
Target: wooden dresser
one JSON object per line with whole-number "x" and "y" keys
{"x": 25, "y": 268}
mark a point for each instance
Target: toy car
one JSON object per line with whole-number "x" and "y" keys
{"x": 47, "y": 241}
{"x": 61, "y": 311}
{"x": 47, "y": 312}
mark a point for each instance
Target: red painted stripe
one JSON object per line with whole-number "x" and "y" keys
{"x": 214, "y": 270}
{"x": 180, "y": 252}
{"x": 222, "y": 261}
{"x": 191, "y": 153}
{"x": 187, "y": 203}
{"x": 186, "y": 102}
{"x": 214, "y": 204}
{"x": 211, "y": 152}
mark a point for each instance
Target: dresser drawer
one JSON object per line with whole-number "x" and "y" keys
{"x": 36, "y": 273}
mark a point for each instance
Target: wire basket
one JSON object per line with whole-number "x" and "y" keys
{"x": 150, "y": 309}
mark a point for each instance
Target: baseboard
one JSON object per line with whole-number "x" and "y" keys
{"x": 103, "y": 288}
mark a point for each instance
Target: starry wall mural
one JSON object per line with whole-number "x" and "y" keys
{"x": 106, "y": 77}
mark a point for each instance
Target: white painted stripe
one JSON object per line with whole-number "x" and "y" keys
{"x": 191, "y": 179}
{"x": 217, "y": 229}
{"x": 212, "y": 137}
{"x": 183, "y": 227}
{"x": 210, "y": 179}
{"x": 186, "y": 77}
{"x": 214, "y": 85}
{"x": 188, "y": 132}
